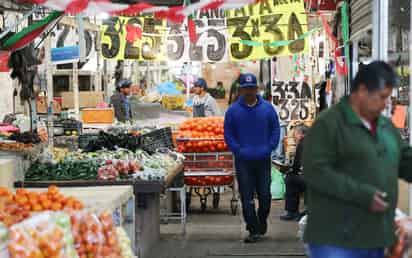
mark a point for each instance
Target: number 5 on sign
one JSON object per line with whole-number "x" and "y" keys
{"x": 266, "y": 22}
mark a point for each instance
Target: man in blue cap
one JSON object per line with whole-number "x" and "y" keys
{"x": 203, "y": 103}
{"x": 120, "y": 102}
{"x": 252, "y": 132}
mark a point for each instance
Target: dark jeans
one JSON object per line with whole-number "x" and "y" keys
{"x": 254, "y": 177}
{"x": 327, "y": 251}
{"x": 295, "y": 186}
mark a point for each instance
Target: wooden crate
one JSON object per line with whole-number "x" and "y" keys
{"x": 98, "y": 115}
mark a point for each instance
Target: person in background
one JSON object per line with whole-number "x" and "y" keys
{"x": 120, "y": 102}
{"x": 352, "y": 159}
{"x": 252, "y": 133}
{"x": 219, "y": 86}
{"x": 204, "y": 104}
{"x": 295, "y": 185}
{"x": 234, "y": 92}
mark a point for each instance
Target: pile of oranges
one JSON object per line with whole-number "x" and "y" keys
{"x": 203, "y": 134}
{"x": 24, "y": 202}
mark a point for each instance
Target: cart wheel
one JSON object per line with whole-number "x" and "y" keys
{"x": 216, "y": 200}
{"x": 203, "y": 204}
{"x": 233, "y": 206}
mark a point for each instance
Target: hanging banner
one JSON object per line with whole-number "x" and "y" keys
{"x": 293, "y": 100}
{"x": 117, "y": 43}
{"x": 267, "y": 22}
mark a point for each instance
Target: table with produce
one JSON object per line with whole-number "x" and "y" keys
{"x": 208, "y": 163}
{"x": 50, "y": 223}
{"x": 111, "y": 158}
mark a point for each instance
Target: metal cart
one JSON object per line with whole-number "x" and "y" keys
{"x": 206, "y": 172}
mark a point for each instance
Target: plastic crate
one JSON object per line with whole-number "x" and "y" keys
{"x": 85, "y": 139}
{"x": 161, "y": 138}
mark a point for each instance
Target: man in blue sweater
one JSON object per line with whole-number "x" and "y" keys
{"x": 252, "y": 132}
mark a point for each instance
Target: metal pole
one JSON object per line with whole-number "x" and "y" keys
{"x": 75, "y": 79}
{"x": 410, "y": 106}
{"x": 50, "y": 96}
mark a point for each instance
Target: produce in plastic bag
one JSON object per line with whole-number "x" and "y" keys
{"x": 94, "y": 235}
{"x": 402, "y": 247}
{"x": 125, "y": 244}
{"x": 46, "y": 234}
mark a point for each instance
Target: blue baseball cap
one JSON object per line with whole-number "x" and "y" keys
{"x": 247, "y": 80}
{"x": 201, "y": 83}
{"x": 125, "y": 83}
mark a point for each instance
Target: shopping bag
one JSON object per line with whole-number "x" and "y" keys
{"x": 277, "y": 187}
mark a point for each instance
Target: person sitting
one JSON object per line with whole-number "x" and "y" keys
{"x": 294, "y": 182}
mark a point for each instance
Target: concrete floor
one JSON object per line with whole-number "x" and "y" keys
{"x": 218, "y": 234}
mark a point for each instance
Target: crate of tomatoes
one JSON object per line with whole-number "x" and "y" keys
{"x": 201, "y": 135}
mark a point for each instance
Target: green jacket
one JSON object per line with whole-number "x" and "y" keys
{"x": 343, "y": 166}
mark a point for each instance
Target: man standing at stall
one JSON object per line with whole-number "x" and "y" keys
{"x": 120, "y": 101}
{"x": 352, "y": 159}
{"x": 252, "y": 133}
{"x": 204, "y": 104}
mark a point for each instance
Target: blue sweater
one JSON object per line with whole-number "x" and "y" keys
{"x": 252, "y": 132}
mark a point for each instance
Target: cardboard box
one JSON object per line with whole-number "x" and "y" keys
{"x": 87, "y": 99}
{"x": 41, "y": 105}
{"x": 98, "y": 115}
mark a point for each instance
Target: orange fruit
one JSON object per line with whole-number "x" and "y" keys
{"x": 43, "y": 196}
{"x": 21, "y": 200}
{"x": 56, "y": 206}
{"x": 21, "y": 191}
{"x": 37, "y": 207}
{"x": 52, "y": 189}
{"x": 46, "y": 204}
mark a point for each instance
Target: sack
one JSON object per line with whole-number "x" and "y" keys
{"x": 277, "y": 187}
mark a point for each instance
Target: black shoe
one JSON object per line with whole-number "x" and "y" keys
{"x": 263, "y": 228}
{"x": 289, "y": 216}
{"x": 252, "y": 238}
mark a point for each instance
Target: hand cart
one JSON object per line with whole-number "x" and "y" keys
{"x": 206, "y": 172}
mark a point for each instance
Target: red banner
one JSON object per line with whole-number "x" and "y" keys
{"x": 4, "y": 60}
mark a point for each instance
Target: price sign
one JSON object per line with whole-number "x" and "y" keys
{"x": 211, "y": 44}
{"x": 266, "y": 22}
{"x": 115, "y": 46}
{"x": 293, "y": 100}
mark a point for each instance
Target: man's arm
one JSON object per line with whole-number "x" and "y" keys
{"x": 229, "y": 131}
{"x": 212, "y": 108}
{"x": 319, "y": 159}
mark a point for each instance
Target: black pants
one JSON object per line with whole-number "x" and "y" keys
{"x": 254, "y": 177}
{"x": 295, "y": 186}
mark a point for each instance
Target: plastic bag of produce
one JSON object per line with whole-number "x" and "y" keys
{"x": 95, "y": 235}
{"x": 302, "y": 226}
{"x": 277, "y": 187}
{"x": 47, "y": 234}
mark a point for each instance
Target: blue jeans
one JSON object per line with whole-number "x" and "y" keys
{"x": 327, "y": 251}
{"x": 254, "y": 177}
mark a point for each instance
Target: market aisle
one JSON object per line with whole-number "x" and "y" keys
{"x": 218, "y": 234}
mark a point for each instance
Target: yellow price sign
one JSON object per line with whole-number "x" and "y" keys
{"x": 114, "y": 43}
{"x": 267, "y": 22}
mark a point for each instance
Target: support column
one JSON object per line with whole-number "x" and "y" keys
{"x": 50, "y": 95}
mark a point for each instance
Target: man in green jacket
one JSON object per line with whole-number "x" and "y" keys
{"x": 352, "y": 160}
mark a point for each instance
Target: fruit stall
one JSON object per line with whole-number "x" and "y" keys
{"x": 208, "y": 163}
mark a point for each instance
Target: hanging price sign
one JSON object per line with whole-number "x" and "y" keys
{"x": 267, "y": 22}
{"x": 114, "y": 43}
{"x": 293, "y": 100}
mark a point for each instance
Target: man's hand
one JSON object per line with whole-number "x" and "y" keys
{"x": 378, "y": 203}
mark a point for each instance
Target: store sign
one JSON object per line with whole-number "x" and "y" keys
{"x": 266, "y": 22}
{"x": 65, "y": 55}
{"x": 293, "y": 100}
